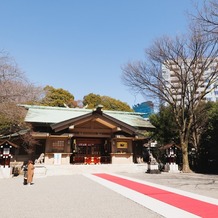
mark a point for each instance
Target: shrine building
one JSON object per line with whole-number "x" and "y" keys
{"x": 87, "y": 136}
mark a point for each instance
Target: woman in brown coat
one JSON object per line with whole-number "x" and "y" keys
{"x": 30, "y": 172}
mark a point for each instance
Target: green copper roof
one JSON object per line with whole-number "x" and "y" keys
{"x": 44, "y": 114}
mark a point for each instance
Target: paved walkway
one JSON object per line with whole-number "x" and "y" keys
{"x": 87, "y": 195}
{"x": 202, "y": 184}
{"x": 162, "y": 199}
{"x": 73, "y": 196}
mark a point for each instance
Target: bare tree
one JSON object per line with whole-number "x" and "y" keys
{"x": 14, "y": 86}
{"x": 199, "y": 126}
{"x": 207, "y": 17}
{"x": 188, "y": 58}
{"x": 14, "y": 89}
{"x": 28, "y": 142}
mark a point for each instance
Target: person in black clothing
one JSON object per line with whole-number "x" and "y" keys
{"x": 24, "y": 167}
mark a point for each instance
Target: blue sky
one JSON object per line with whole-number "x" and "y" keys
{"x": 81, "y": 45}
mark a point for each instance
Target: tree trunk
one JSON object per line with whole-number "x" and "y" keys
{"x": 185, "y": 161}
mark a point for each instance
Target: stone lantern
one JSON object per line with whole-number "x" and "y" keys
{"x": 5, "y": 157}
{"x": 171, "y": 156}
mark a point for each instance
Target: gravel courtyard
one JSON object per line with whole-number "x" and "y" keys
{"x": 65, "y": 196}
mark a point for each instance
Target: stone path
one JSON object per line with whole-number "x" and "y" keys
{"x": 81, "y": 196}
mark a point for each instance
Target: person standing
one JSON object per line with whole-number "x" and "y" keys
{"x": 24, "y": 167}
{"x": 30, "y": 172}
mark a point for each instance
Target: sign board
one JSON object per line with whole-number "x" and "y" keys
{"x": 122, "y": 144}
{"x": 57, "y": 158}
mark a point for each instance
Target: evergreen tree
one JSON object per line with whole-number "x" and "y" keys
{"x": 57, "y": 97}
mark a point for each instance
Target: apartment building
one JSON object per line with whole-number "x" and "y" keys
{"x": 170, "y": 76}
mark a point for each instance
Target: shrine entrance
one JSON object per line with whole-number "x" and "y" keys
{"x": 90, "y": 151}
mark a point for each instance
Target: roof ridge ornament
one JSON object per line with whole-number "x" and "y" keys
{"x": 99, "y": 109}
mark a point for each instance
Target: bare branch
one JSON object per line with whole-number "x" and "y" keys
{"x": 180, "y": 72}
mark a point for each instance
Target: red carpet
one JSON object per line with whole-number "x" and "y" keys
{"x": 197, "y": 207}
